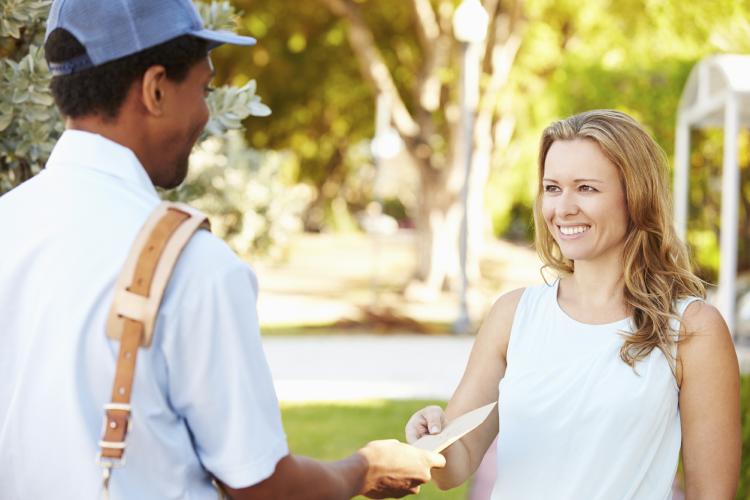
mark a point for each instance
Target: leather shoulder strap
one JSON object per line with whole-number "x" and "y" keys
{"x": 144, "y": 277}
{"x": 138, "y": 293}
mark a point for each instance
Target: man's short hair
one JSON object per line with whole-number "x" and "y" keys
{"x": 102, "y": 89}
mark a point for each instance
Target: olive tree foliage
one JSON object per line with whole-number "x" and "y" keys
{"x": 250, "y": 195}
{"x": 29, "y": 121}
{"x": 30, "y": 124}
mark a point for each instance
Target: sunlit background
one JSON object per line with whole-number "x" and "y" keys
{"x": 386, "y": 131}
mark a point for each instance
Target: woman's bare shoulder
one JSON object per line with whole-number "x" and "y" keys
{"x": 506, "y": 304}
{"x": 703, "y": 322}
{"x": 707, "y": 343}
{"x": 499, "y": 322}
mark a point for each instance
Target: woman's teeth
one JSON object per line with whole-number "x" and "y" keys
{"x": 570, "y": 230}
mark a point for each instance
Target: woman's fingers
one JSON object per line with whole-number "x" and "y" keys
{"x": 428, "y": 420}
{"x": 435, "y": 418}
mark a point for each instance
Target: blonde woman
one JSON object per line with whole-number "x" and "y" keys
{"x": 603, "y": 375}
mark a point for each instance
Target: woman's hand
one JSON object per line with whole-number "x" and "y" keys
{"x": 428, "y": 420}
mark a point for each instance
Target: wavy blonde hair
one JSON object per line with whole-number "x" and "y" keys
{"x": 657, "y": 271}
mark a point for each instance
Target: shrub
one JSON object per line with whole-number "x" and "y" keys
{"x": 247, "y": 194}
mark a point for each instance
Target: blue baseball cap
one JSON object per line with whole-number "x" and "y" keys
{"x": 111, "y": 29}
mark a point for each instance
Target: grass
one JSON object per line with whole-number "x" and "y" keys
{"x": 330, "y": 431}
{"x": 743, "y": 492}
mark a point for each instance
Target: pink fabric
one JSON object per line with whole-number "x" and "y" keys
{"x": 484, "y": 477}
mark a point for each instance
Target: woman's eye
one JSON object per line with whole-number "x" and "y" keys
{"x": 551, "y": 188}
{"x": 586, "y": 187}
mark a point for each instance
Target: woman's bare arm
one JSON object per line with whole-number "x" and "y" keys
{"x": 478, "y": 387}
{"x": 709, "y": 406}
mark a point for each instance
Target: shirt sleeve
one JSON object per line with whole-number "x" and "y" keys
{"x": 219, "y": 380}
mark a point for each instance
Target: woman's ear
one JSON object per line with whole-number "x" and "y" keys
{"x": 152, "y": 89}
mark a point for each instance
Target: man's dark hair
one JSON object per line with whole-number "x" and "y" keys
{"x": 102, "y": 89}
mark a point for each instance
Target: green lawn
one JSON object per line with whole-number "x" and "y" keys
{"x": 329, "y": 431}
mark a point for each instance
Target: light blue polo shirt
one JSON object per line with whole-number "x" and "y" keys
{"x": 203, "y": 398}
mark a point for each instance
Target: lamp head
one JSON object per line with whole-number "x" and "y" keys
{"x": 470, "y": 22}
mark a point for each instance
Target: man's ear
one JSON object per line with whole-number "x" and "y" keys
{"x": 153, "y": 88}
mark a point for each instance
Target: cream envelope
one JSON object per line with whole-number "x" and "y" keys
{"x": 455, "y": 430}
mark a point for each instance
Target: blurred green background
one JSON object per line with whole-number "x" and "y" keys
{"x": 632, "y": 55}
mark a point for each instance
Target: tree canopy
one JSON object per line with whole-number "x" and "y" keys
{"x": 632, "y": 55}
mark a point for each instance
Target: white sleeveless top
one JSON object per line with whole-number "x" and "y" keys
{"x": 576, "y": 422}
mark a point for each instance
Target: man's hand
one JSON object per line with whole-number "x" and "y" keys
{"x": 395, "y": 469}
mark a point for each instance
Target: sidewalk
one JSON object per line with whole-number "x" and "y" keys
{"x": 350, "y": 367}
{"x": 346, "y": 367}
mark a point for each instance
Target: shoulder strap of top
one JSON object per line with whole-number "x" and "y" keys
{"x": 138, "y": 294}
{"x": 683, "y": 304}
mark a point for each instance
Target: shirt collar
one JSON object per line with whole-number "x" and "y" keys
{"x": 77, "y": 148}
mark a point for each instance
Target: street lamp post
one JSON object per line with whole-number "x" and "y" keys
{"x": 384, "y": 146}
{"x": 470, "y": 28}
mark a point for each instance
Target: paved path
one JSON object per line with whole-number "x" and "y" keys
{"x": 347, "y": 367}
{"x": 333, "y": 367}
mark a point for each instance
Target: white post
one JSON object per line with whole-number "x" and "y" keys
{"x": 469, "y": 100}
{"x": 681, "y": 177}
{"x": 470, "y": 22}
{"x": 729, "y": 215}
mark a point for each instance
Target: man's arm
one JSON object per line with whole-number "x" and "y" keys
{"x": 382, "y": 469}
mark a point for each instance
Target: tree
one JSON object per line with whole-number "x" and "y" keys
{"x": 322, "y": 110}
{"x": 429, "y": 116}
{"x": 432, "y": 116}
{"x": 30, "y": 124}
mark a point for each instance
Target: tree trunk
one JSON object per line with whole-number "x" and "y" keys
{"x": 438, "y": 224}
{"x": 502, "y": 55}
{"x": 439, "y": 211}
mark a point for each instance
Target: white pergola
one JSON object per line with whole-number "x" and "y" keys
{"x": 717, "y": 94}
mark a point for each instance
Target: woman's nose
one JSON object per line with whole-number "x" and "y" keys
{"x": 567, "y": 204}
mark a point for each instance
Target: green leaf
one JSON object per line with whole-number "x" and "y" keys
{"x": 5, "y": 120}
{"x": 43, "y": 99}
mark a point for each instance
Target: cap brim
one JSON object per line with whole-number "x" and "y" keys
{"x": 221, "y": 37}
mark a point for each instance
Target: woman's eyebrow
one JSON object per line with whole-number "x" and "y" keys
{"x": 547, "y": 179}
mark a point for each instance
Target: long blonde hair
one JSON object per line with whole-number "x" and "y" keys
{"x": 657, "y": 271}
